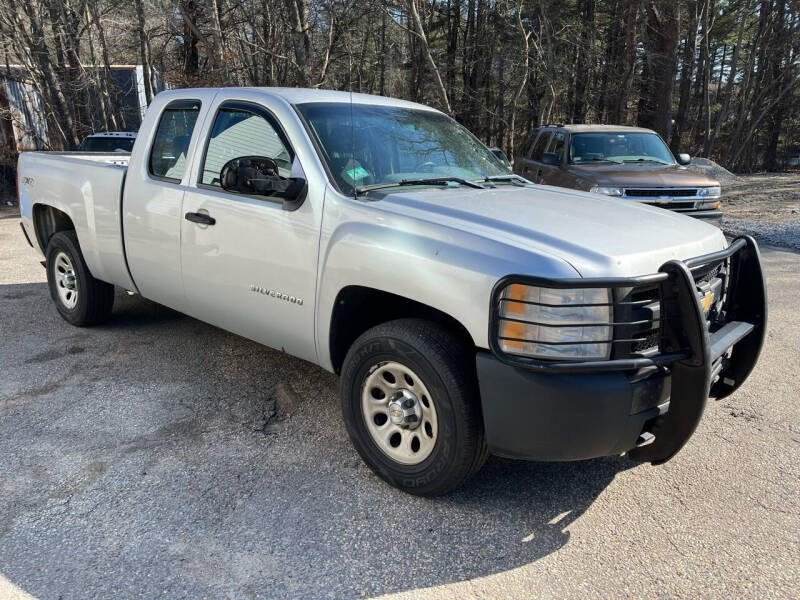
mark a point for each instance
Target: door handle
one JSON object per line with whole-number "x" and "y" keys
{"x": 200, "y": 218}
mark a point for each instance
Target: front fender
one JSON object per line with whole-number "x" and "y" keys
{"x": 447, "y": 269}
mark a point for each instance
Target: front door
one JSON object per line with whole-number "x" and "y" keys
{"x": 253, "y": 270}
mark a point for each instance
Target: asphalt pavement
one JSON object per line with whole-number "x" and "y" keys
{"x": 157, "y": 456}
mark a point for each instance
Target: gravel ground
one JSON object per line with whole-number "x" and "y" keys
{"x": 765, "y": 206}
{"x": 159, "y": 456}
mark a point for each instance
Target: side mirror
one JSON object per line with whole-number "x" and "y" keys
{"x": 684, "y": 159}
{"x": 258, "y": 176}
{"x": 551, "y": 158}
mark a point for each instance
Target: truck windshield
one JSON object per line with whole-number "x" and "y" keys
{"x": 391, "y": 144}
{"x": 619, "y": 147}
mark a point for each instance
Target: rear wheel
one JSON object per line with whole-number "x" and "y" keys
{"x": 410, "y": 403}
{"x": 79, "y": 298}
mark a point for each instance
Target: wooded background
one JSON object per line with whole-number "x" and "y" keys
{"x": 716, "y": 78}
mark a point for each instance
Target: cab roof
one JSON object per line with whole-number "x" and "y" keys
{"x": 585, "y": 128}
{"x": 305, "y": 96}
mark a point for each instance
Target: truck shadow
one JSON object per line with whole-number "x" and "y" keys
{"x": 170, "y": 451}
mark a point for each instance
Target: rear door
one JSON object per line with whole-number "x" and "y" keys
{"x": 554, "y": 174}
{"x": 532, "y": 169}
{"x": 523, "y": 157}
{"x": 252, "y": 271}
{"x": 153, "y": 196}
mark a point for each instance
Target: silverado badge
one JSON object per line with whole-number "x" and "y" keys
{"x": 275, "y": 294}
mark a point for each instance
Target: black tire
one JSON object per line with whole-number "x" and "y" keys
{"x": 446, "y": 367}
{"x": 94, "y": 298}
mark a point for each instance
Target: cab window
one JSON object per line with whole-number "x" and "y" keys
{"x": 527, "y": 145}
{"x": 540, "y": 145}
{"x": 239, "y": 132}
{"x": 171, "y": 143}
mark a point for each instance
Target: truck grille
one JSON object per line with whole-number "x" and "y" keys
{"x": 674, "y": 205}
{"x": 640, "y": 310}
{"x": 661, "y": 192}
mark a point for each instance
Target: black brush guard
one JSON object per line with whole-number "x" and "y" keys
{"x": 701, "y": 363}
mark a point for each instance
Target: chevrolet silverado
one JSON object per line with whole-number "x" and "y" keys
{"x": 465, "y": 309}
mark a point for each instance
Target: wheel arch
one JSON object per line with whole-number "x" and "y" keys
{"x": 359, "y": 308}
{"x": 47, "y": 221}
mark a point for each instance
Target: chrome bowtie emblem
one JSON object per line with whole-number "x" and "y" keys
{"x": 707, "y": 302}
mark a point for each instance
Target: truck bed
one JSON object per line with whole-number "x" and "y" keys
{"x": 88, "y": 187}
{"x": 111, "y": 158}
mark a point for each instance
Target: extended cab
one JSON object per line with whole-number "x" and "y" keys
{"x": 465, "y": 309}
{"x": 625, "y": 162}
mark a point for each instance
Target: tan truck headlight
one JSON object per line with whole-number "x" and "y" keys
{"x": 571, "y": 324}
{"x": 709, "y": 192}
{"x": 608, "y": 191}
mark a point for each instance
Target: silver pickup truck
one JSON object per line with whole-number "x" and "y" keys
{"x": 465, "y": 309}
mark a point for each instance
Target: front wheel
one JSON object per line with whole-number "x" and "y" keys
{"x": 411, "y": 406}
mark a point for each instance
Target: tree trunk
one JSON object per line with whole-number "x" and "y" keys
{"x": 524, "y": 37}
{"x": 631, "y": 27}
{"x": 107, "y": 88}
{"x": 301, "y": 40}
{"x": 423, "y": 40}
{"x": 148, "y": 92}
{"x": 722, "y": 115}
{"x": 661, "y": 41}
{"x": 583, "y": 64}
{"x": 687, "y": 68}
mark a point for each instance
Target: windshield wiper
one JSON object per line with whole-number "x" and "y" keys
{"x": 512, "y": 178}
{"x": 643, "y": 160}
{"x": 428, "y": 181}
{"x": 595, "y": 159}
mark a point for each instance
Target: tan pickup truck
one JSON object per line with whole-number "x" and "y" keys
{"x": 625, "y": 162}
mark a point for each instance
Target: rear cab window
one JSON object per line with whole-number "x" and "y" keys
{"x": 168, "y": 155}
{"x": 106, "y": 144}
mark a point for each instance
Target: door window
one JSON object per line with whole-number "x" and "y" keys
{"x": 527, "y": 145}
{"x": 238, "y": 132}
{"x": 540, "y": 145}
{"x": 171, "y": 143}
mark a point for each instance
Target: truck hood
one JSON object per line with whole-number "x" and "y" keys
{"x": 599, "y": 236}
{"x": 641, "y": 175}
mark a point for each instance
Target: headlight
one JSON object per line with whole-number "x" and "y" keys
{"x": 554, "y": 323}
{"x": 608, "y": 191}
{"x": 709, "y": 192}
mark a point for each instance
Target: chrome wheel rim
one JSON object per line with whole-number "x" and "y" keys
{"x": 399, "y": 413}
{"x": 66, "y": 280}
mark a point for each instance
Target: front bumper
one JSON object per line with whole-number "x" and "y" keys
{"x": 648, "y": 406}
